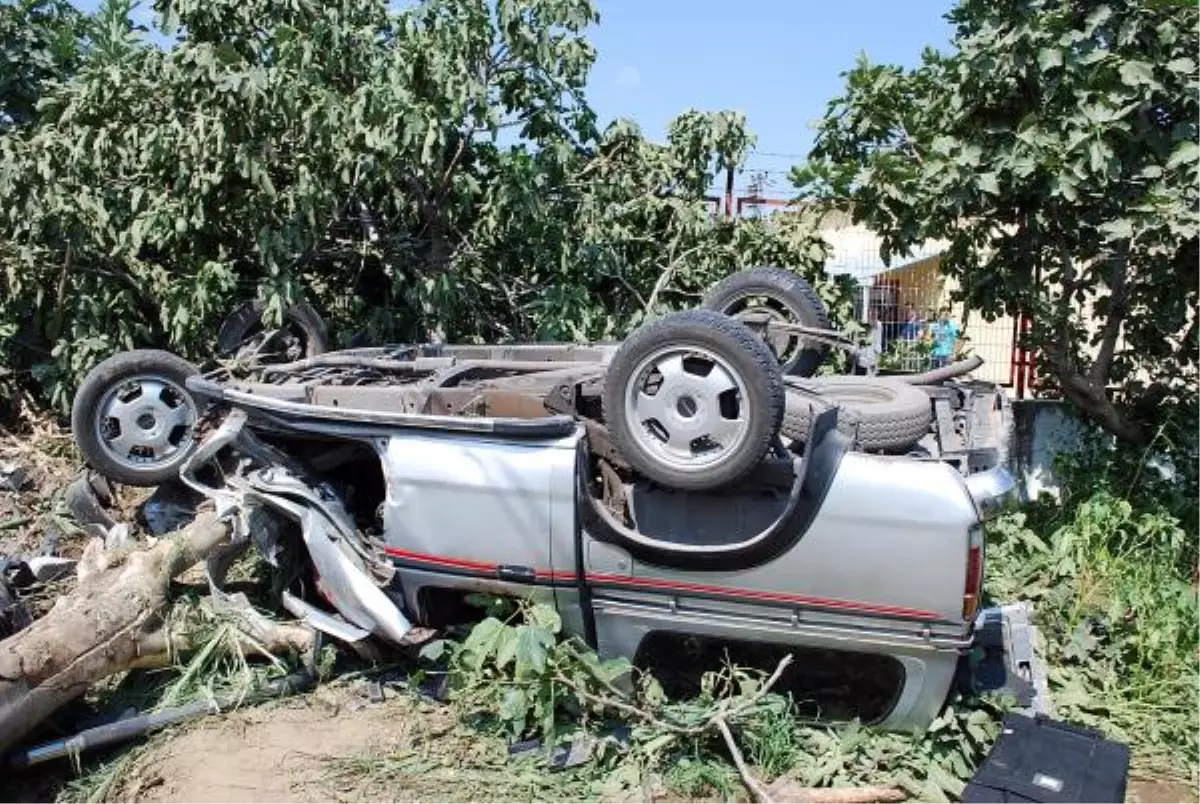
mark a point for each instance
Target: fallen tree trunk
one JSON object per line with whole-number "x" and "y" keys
{"x": 114, "y": 620}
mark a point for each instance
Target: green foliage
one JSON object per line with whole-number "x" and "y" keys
{"x": 1163, "y": 477}
{"x": 1113, "y": 581}
{"x": 516, "y": 674}
{"x": 907, "y": 355}
{"x": 517, "y": 678}
{"x": 1055, "y": 148}
{"x": 40, "y": 42}
{"x": 434, "y": 169}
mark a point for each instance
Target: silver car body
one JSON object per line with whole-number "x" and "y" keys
{"x": 880, "y": 569}
{"x": 866, "y": 554}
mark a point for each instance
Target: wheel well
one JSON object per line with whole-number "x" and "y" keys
{"x": 824, "y": 684}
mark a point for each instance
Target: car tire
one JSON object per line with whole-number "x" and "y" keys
{"x": 139, "y": 443}
{"x": 789, "y": 298}
{"x": 308, "y": 336}
{"x": 880, "y": 414}
{"x": 725, "y": 408}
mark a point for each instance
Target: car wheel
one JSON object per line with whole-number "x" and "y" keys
{"x": 242, "y": 334}
{"x": 881, "y": 414}
{"x": 693, "y": 400}
{"x": 133, "y": 417}
{"x": 759, "y": 296}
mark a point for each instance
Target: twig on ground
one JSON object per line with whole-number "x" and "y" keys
{"x": 752, "y": 783}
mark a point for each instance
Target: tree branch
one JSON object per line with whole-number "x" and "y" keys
{"x": 1118, "y": 285}
{"x": 665, "y": 277}
{"x": 444, "y": 184}
{"x": 1090, "y": 397}
{"x": 752, "y": 783}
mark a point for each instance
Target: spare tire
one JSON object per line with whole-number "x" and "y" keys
{"x": 879, "y": 413}
{"x": 303, "y": 334}
{"x": 693, "y": 400}
{"x": 778, "y": 295}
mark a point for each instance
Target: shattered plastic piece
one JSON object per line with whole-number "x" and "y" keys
{"x": 573, "y": 753}
{"x": 85, "y": 504}
{"x": 13, "y": 476}
{"x": 168, "y": 509}
{"x": 325, "y": 622}
{"x": 1008, "y": 639}
{"x": 51, "y": 568}
{"x": 118, "y": 536}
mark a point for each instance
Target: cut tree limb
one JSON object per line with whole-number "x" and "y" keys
{"x": 785, "y": 790}
{"x": 112, "y": 621}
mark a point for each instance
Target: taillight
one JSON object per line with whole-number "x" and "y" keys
{"x": 973, "y": 586}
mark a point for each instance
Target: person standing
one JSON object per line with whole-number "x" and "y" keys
{"x": 911, "y": 330}
{"x": 945, "y": 333}
{"x": 868, "y": 356}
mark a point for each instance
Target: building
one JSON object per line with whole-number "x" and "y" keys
{"x": 911, "y": 286}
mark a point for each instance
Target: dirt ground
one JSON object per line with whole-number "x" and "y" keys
{"x": 335, "y": 745}
{"x": 330, "y": 745}
{"x": 286, "y": 752}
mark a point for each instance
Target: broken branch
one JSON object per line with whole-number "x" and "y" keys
{"x": 113, "y": 620}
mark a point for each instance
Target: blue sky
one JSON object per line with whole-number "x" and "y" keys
{"x": 776, "y": 60}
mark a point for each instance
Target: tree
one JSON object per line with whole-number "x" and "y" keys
{"x": 159, "y": 186}
{"x": 1055, "y": 148}
{"x": 40, "y": 41}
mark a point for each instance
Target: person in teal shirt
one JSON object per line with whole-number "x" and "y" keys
{"x": 945, "y": 334}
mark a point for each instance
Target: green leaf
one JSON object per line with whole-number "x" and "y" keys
{"x": 1187, "y": 152}
{"x": 514, "y": 708}
{"x": 1049, "y": 57}
{"x": 989, "y": 184}
{"x": 533, "y": 644}
{"x": 945, "y": 780}
{"x": 481, "y": 643}
{"x": 1120, "y": 229}
{"x": 544, "y": 616}
{"x": 1137, "y": 73}
{"x": 433, "y": 651}
{"x": 506, "y": 646}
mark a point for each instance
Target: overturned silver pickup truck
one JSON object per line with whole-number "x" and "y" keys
{"x": 684, "y": 487}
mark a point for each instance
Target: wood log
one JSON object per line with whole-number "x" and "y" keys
{"x": 110, "y": 622}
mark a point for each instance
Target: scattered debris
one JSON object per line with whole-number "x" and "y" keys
{"x": 14, "y": 476}
{"x": 114, "y": 619}
{"x": 127, "y": 728}
{"x": 169, "y": 508}
{"x": 86, "y": 501}
{"x": 118, "y": 537}
{"x": 48, "y": 568}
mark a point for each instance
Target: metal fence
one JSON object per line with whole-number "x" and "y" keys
{"x": 908, "y": 309}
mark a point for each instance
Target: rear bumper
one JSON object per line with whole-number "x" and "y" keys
{"x": 1004, "y": 658}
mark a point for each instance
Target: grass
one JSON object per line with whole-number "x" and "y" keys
{"x": 100, "y": 780}
{"x": 447, "y": 761}
{"x": 1120, "y": 619}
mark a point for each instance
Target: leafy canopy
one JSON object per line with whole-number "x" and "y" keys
{"x": 1055, "y": 148}
{"x": 435, "y": 168}
{"x": 40, "y": 42}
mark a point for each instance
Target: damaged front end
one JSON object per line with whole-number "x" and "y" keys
{"x": 267, "y": 494}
